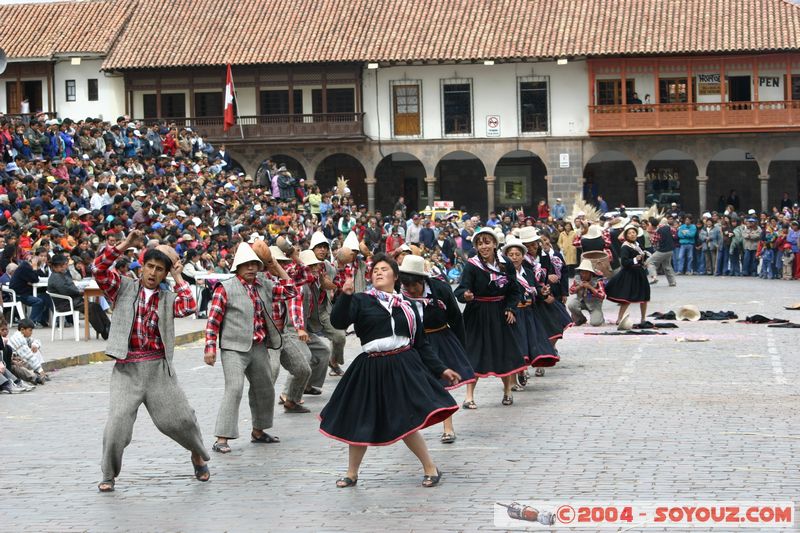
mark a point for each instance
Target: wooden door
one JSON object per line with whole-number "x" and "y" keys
{"x": 12, "y": 98}
{"x": 406, "y": 110}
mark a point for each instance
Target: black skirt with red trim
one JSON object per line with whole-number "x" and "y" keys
{"x": 451, "y": 353}
{"x": 629, "y": 285}
{"x": 531, "y": 336}
{"x": 381, "y": 400}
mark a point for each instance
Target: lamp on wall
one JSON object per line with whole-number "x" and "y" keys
{"x": 562, "y": 61}
{"x": 373, "y": 66}
{"x": 488, "y": 62}
{"x": 75, "y": 61}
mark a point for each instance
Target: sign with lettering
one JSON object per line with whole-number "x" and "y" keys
{"x": 708, "y": 84}
{"x": 443, "y": 204}
{"x": 493, "y": 126}
{"x": 769, "y": 81}
{"x": 563, "y": 160}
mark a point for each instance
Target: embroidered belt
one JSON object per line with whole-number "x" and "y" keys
{"x": 489, "y": 298}
{"x": 390, "y": 352}
{"x": 138, "y": 357}
{"x": 434, "y": 330}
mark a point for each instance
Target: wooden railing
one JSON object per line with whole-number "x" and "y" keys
{"x": 309, "y": 126}
{"x": 643, "y": 119}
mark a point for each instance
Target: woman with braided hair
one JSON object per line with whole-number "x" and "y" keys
{"x": 490, "y": 290}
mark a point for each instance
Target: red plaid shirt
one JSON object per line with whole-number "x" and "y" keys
{"x": 576, "y": 242}
{"x": 300, "y": 275}
{"x": 600, "y": 288}
{"x": 145, "y": 340}
{"x": 282, "y": 290}
{"x": 349, "y": 271}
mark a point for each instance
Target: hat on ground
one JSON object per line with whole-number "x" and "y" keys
{"x": 486, "y": 230}
{"x": 414, "y": 264}
{"x": 513, "y": 242}
{"x": 351, "y": 241}
{"x": 594, "y": 232}
{"x": 318, "y": 238}
{"x": 278, "y": 254}
{"x": 688, "y": 312}
{"x": 528, "y": 234}
{"x": 309, "y": 258}
{"x": 587, "y": 266}
{"x": 626, "y": 324}
{"x": 244, "y": 254}
{"x": 793, "y": 307}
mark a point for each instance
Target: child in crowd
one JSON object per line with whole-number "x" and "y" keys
{"x": 27, "y": 349}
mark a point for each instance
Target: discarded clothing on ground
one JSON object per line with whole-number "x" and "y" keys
{"x": 669, "y": 315}
{"x": 717, "y": 315}
{"x": 784, "y": 325}
{"x": 658, "y": 325}
{"x": 761, "y": 319}
{"x": 639, "y": 332}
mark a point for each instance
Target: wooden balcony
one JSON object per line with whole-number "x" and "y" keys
{"x": 294, "y": 128}
{"x": 658, "y": 119}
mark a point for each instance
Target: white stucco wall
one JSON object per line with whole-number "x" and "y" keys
{"x": 494, "y": 92}
{"x": 111, "y": 91}
{"x": 4, "y": 100}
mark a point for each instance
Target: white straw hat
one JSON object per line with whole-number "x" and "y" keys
{"x": 278, "y": 254}
{"x": 688, "y": 312}
{"x": 486, "y": 230}
{"x": 244, "y": 254}
{"x": 626, "y": 324}
{"x": 587, "y": 266}
{"x": 513, "y": 242}
{"x": 528, "y": 234}
{"x": 318, "y": 238}
{"x": 414, "y": 264}
{"x": 351, "y": 241}
{"x": 309, "y": 258}
{"x": 594, "y": 232}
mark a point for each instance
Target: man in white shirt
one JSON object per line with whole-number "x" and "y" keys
{"x": 412, "y": 235}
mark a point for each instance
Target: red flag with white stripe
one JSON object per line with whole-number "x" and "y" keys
{"x": 230, "y": 117}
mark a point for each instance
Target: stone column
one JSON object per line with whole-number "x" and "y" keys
{"x": 490, "y": 192}
{"x": 640, "y": 196}
{"x": 764, "y": 179}
{"x": 702, "y": 193}
{"x": 430, "y": 185}
{"x": 371, "y": 181}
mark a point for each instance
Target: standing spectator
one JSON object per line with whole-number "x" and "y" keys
{"x": 400, "y": 205}
{"x": 412, "y": 233}
{"x": 752, "y": 236}
{"x": 346, "y": 224}
{"x": 426, "y": 235}
{"x": 602, "y": 205}
{"x": 737, "y": 248}
{"x": 723, "y": 253}
{"x": 792, "y": 238}
{"x": 687, "y": 233}
{"x": 559, "y": 210}
{"x": 543, "y": 210}
{"x": 710, "y": 241}
{"x": 733, "y": 200}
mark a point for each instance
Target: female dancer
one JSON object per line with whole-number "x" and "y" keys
{"x": 444, "y": 326}
{"x": 391, "y": 390}
{"x": 554, "y": 314}
{"x": 630, "y": 285}
{"x": 490, "y": 290}
{"x": 529, "y": 331}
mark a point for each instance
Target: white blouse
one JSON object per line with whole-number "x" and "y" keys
{"x": 386, "y": 344}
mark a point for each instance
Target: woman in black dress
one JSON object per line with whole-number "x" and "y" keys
{"x": 444, "y": 326}
{"x": 490, "y": 290}
{"x": 391, "y": 390}
{"x": 630, "y": 284}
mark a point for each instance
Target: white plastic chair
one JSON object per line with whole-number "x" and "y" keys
{"x": 62, "y": 315}
{"x": 14, "y": 304}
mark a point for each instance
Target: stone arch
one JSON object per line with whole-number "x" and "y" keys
{"x": 671, "y": 176}
{"x": 612, "y": 175}
{"x": 520, "y": 180}
{"x": 460, "y": 177}
{"x": 784, "y": 176}
{"x": 400, "y": 174}
{"x": 338, "y": 164}
{"x": 733, "y": 169}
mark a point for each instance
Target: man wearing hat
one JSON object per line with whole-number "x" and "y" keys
{"x": 142, "y": 340}
{"x": 305, "y": 325}
{"x": 587, "y": 292}
{"x": 240, "y": 321}
{"x": 327, "y": 272}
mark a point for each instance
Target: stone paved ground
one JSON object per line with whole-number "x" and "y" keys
{"x": 619, "y": 418}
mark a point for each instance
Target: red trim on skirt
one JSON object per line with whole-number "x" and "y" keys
{"x": 549, "y": 358}
{"x": 559, "y": 336}
{"x": 489, "y": 298}
{"x": 433, "y": 418}
{"x": 457, "y": 385}
{"x": 490, "y": 374}
{"x": 621, "y": 301}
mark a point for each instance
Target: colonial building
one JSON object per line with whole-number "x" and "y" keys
{"x": 487, "y": 103}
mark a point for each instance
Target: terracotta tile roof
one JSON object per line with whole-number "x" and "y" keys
{"x": 42, "y": 30}
{"x": 170, "y": 33}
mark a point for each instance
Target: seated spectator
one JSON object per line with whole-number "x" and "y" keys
{"x": 10, "y": 383}
{"x": 26, "y": 348}
{"x": 60, "y": 282}
{"x": 22, "y": 282}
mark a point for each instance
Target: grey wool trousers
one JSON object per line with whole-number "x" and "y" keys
{"x": 336, "y": 336}
{"x": 255, "y": 366}
{"x": 148, "y": 383}
{"x": 295, "y": 359}
{"x": 317, "y": 354}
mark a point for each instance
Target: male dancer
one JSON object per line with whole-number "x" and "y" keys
{"x": 240, "y": 319}
{"x": 142, "y": 340}
{"x": 322, "y": 251}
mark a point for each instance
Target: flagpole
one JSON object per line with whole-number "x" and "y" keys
{"x": 236, "y": 108}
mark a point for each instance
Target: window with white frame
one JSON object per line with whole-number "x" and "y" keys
{"x": 533, "y": 95}
{"x": 70, "y": 90}
{"x": 457, "y": 107}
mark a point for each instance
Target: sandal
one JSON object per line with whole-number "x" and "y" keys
{"x": 431, "y": 481}
{"x": 201, "y": 472}
{"x": 313, "y": 391}
{"x": 336, "y": 371}
{"x": 469, "y": 404}
{"x": 539, "y": 372}
{"x": 508, "y": 399}
{"x": 221, "y": 447}
{"x": 282, "y": 400}
{"x": 447, "y": 438}
{"x": 295, "y": 408}
{"x": 107, "y": 485}
{"x": 344, "y": 482}
{"x": 264, "y": 438}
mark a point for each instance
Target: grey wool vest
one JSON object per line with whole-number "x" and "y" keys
{"x": 125, "y": 312}
{"x": 236, "y": 330}
{"x": 311, "y": 308}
